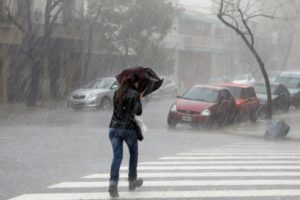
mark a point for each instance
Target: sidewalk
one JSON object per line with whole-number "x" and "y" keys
{"x": 258, "y": 129}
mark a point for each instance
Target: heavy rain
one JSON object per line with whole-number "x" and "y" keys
{"x": 149, "y": 99}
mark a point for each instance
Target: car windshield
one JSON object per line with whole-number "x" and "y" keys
{"x": 236, "y": 91}
{"x": 289, "y": 82}
{"x": 100, "y": 84}
{"x": 261, "y": 89}
{"x": 201, "y": 94}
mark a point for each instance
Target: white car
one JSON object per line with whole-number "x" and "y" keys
{"x": 98, "y": 94}
{"x": 244, "y": 79}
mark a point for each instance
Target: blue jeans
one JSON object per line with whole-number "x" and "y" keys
{"x": 117, "y": 136}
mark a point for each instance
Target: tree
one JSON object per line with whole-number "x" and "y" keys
{"x": 35, "y": 45}
{"x": 134, "y": 29}
{"x": 237, "y": 15}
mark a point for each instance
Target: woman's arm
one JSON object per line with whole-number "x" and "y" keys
{"x": 138, "y": 109}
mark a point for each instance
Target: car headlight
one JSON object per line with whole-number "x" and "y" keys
{"x": 91, "y": 96}
{"x": 173, "y": 108}
{"x": 206, "y": 112}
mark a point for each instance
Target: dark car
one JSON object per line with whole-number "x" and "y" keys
{"x": 280, "y": 97}
{"x": 203, "y": 105}
{"x": 245, "y": 98}
{"x": 291, "y": 79}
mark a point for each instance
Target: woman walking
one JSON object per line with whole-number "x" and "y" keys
{"x": 123, "y": 127}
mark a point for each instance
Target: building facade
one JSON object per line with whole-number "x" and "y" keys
{"x": 201, "y": 45}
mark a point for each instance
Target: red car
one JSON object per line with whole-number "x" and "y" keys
{"x": 203, "y": 105}
{"x": 245, "y": 98}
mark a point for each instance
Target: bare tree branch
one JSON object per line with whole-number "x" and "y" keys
{"x": 233, "y": 19}
{"x": 55, "y": 16}
{"x": 249, "y": 43}
{"x": 14, "y": 21}
{"x": 55, "y": 3}
{"x": 247, "y": 27}
{"x": 259, "y": 15}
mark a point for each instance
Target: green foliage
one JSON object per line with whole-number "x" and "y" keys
{"x": 134, "y": 28}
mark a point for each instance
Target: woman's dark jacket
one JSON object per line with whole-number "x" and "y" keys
{"x": 123, "y": 115}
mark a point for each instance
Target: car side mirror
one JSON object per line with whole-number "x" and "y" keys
{"x": 114, "y": 87}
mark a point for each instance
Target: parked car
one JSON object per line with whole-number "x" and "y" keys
{"x": 280, "y": 97}
{"x": 203, "y": 105}
{"x": 271, "y": 74}
{"x": 244, "y": 79}
{"x": 168, "y": 89}
{"x": 291, "y": 79}
{"x": 98, "y": 93}
{"x": 245, "y": 98}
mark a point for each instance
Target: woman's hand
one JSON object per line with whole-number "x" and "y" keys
{"x": 142, "y": 95}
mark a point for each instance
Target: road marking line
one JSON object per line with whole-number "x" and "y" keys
{"x": 199, "y": 174}
{"x": 226, "y": 157}
{"x": 162, "y": 194}
{"x": 236, "y": 167}
{"x": 173, "y": 183}
{"x": 233, "y": 152}
{"x": 220, "y": 162}
{"x": 238, "y": 154}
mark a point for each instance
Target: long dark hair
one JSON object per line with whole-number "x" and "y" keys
{"x": 128, "y": 82}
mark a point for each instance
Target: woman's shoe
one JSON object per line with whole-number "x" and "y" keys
{"x": 113, "y": 191}
{"x": 135, "y": 183}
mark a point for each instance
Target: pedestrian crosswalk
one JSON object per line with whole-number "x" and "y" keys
{"x": 241, "y": 170}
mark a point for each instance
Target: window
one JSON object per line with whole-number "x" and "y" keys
{"x": 100, "y": 84}
{"x": 2, "y": 11}
{"x": 236, "y": 91}
{"x": 201, "y": 94}
{"x": 67, "y": 11}
{"x": 289, "y": 82}
{"x": 248, "y": 93}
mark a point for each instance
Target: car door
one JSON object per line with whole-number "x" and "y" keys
{"x": 224, "y": 105}
{"x": 252, "y": 102}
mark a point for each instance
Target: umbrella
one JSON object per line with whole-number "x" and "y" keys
{"x": 149, "y": 81}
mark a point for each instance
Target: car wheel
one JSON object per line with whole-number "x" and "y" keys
{"x": 286, "y": 108}
{"x": 253, "y": 117}
{"x": 261, "y": 112}
{"x": 106, "y": 104}
{"x": 171, "y": 123}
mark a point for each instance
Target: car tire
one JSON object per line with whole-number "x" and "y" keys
{"x": 253, "y": 117}
{"x": 105, "y": 104}
{"x": 261, "y": 112}
{"x": 286, "y": 108}
{"x": 171, "y": 123}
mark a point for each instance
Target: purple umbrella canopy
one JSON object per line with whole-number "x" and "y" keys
{"x": 149, "y": 81}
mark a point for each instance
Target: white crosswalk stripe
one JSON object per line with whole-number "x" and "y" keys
{"x": 202, "y": 174}
{"x": 255, "y": 170}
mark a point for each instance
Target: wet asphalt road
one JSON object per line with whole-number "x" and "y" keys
{"x": 42, "y": 147}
